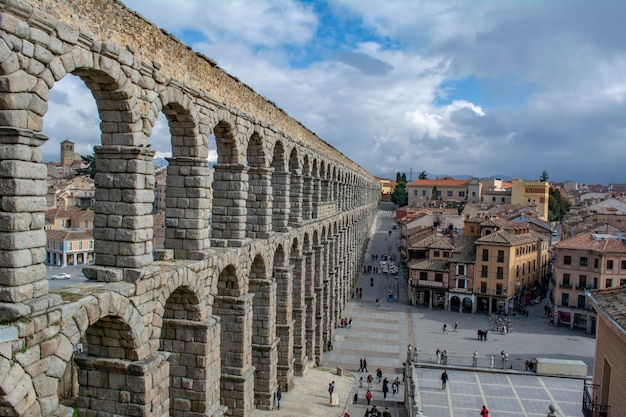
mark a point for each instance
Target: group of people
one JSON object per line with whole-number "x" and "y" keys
{"x": 442, "y": 356}
{"x": 375, "y": 412}
{"x": 345, "y": 322}
{"x": 358, "y": 293}
{"x": 444, "y": 328}
{"x": 482, "y": 334}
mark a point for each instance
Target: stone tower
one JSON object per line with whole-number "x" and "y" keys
{"x": 67, "y": 153}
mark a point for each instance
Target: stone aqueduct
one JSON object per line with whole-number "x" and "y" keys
{"x": 258, "y": 261}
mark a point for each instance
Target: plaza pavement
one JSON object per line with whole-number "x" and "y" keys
{"x": 382, "y": 334}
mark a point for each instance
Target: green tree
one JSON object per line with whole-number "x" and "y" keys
{"x": 400, "y": 194}
{"x": 422, "y": 176}
{"x": 558, "y": 206}
{"x": 434, "y": 195}
{"x": 90, "y": 169}
{"x": 544, "y": 176}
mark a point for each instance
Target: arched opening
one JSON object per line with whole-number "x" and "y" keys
{"x": 259, "y": 205}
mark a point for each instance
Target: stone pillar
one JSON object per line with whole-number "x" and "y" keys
{"x": 188, "y": 207}
{"x": 285, "y": 325}
{"x": 230, "y": 194}
{"x": 194, "y": 349}
{"x": 237, "y": 378}
{"x": 299, "y": 315}
{"x": 22, "y": 217}
{"x": 319, "y": 306}
{"x": 123, "y": 387}
{"x": 264, "y": 342}
{"x": 123, "y": 210}
{"x": 259, "y": 206}
{"x": 316, "y": 197}
{"x": 280, "y": 206}
{"x": 295, "y": 199}
{"x": 311, "y": 303}
{"x": 307, "y": 198}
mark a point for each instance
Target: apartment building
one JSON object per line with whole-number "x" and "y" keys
{"x": 587, "y": 261}
{"x": 448, "y": 189}
{"x": 507, "y": 269}
{"x": 534, "y": 194}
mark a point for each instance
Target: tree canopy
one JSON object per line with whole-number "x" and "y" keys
{"x": 544, "y": 176}
{"x": 90, "y": 169}
{"x": 400, "y": 194}
{"x": 558, "y": 206}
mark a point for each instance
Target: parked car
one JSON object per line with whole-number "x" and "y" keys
{"x": 62, "y": 275}
{"x": 554, "y": 233}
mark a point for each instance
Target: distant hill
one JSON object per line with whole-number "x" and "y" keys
{"x": 392, "y": 176}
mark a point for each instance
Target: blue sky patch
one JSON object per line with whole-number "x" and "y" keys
{"x": 489, "y": 93}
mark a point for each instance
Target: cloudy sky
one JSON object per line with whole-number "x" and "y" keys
{"x": 475, "y": 87}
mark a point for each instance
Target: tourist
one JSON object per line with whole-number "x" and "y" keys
{"x": 444, "y": 379}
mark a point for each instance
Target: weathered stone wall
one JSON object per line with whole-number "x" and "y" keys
{"x": 258, "y": 262}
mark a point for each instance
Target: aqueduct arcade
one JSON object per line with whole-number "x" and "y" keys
{"x": 260, "y": 252}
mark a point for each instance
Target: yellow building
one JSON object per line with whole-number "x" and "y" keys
{"x": 534, "y": 194}
{"x": 508, "y": 268}
{"x": 386, "y": 188}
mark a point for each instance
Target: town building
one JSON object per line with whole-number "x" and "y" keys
{"x": 533, "y": 194}
{"x": 386, "y": 188}
{"x": 609, "y": 370}
{"x": 587, "y": 261}
{"x": 447, "y": 189}
{"x": 69, "y": 237}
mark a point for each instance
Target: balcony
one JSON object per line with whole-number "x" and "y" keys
{"x": 432, "y": 284}
{"x": 591, "y": 408}
{"x": 569, "y": 286}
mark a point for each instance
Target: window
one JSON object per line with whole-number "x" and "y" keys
{"x": 595, "y": 263}
{"x": 446, "y": 254}
{"x": 86, "y": 224}
{"x": 503, "y": 200}
{"x": 567, "y": 260}
{"x": 500, "y": 256}
{"x": 622, "y": 282}
{"x": 436, "y": 254}
{"x": 80, "y": 245}
{"x": 91, "y": 244}
{"x": 461, "y": 193}
{"x": 566, "y": 280}
{"x": 500, "y": 273}
{"x": 414, "y": 192}
{"x": 449, "y": 194}
{"x": 483, "y": 271}
{"x": 483, "y": 287}
{"x": 438, "y": 277}
{"x": 498, "y": 289}
{"x": 438, "y": 194}
{"x": 595, "y": 283}
{"x": 581, "y": 301}
{"x": 582, "y": 282}
{"x": 423, "y": 193}
{"x": 69, "y": 246}
{"x": 565, "y": 299}
{"x": 461, "y": 283}
{"x": 583, "y": 261}
{"x": 423, "y": 276}
{"x": 473, "y": 193}
{"x": 608, "y": 283}
{"x": 623, "y": 264}
{"x": 460, "y": 269}
{"x": 609, "y": 264}
{"x": 485, "y": 255}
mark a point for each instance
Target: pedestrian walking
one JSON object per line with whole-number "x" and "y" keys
{"x": 369, "y": 396}
{"x": 370, "y": 379}
{"x": 444, "y": 379}
{"x": 385, "y": 388}
{"x": 445, "y": 328}
{"x": 279, "y": 396}
{"x": 456, "y": 326}
{"x": 438, "y": 353}
{"x": 484, "y": 412}
{"x": 365, "y": 364}
{"x": 331, "y": 389}
{"x": 360, "y": 365}
{"x": 350, "y": 323}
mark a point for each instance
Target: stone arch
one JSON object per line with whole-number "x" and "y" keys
{"x": 307, "y": 189}
{"x": 295, "y": 188}
{"x": 188, "y": 188}
{"x": 190, "y": 342}
{"x": 230, "y": 189}
{"x": 264, "y": 353}
{"x": 259, "y": 204}
{"x": 280, "y": 189}
{"x": 16, "y": 381}
{"x": 233, "y": 305}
